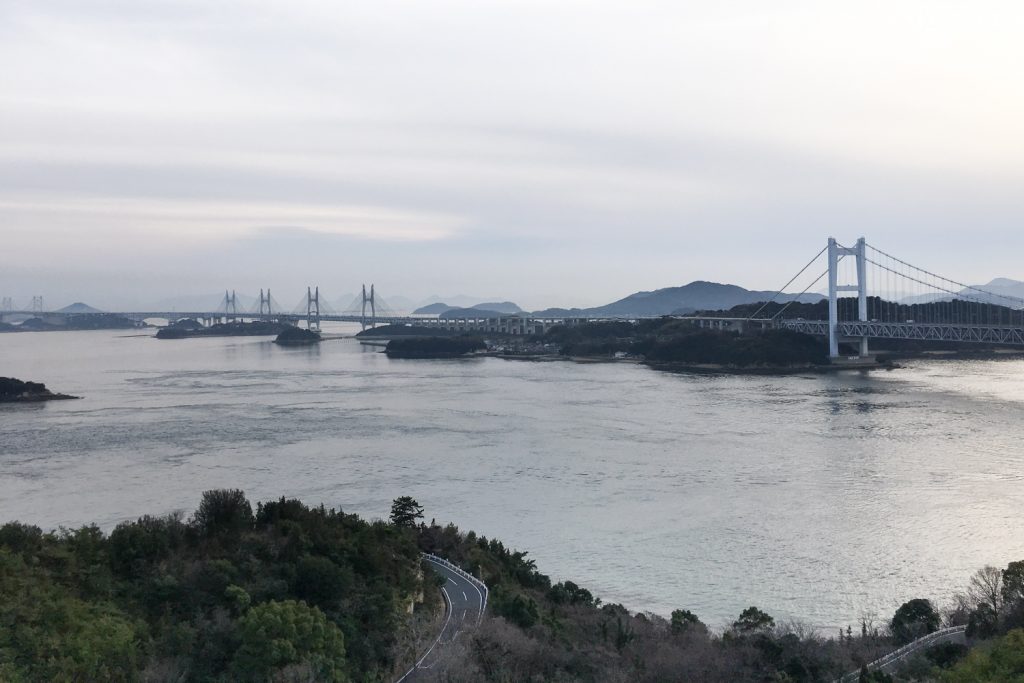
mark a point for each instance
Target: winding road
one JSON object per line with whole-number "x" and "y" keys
{"x": 892, "y": 661}
{"x": 465, "y": 599}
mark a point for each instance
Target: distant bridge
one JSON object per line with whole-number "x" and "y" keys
{"x": 888, "y": 299}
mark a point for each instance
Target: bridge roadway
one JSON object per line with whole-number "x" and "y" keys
{"x": 954, "y": 332}
{"x": 465, "y": 599}
{"x": 507, "y": 324}
{"x": 892, "y": 661}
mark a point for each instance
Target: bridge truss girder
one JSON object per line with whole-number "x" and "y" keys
{"x": 981, "y": 334}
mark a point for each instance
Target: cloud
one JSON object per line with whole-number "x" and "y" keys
{"x": 602, "y": 147}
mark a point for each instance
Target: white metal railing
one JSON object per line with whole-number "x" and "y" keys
{"x": 907, "y": 649}
{"x": 480, "y": 585}
{"x": 464, "y": 574}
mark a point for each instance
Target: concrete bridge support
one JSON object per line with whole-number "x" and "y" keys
{"x": 835, "y": 254}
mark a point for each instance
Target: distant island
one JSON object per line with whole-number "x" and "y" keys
{"x": 73, "y": 322}
{"x": 186, "y": 328}
{"x": 296, "y": 336}
{"x": 16, "y": 391}
{"x": 683, "y": 300}
{"x": 671, "y": 343}
{"x": 391, "y": 331}
{"x": 434, "y": 347}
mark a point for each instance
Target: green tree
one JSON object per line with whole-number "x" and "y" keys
{"x": 1013, "y": 583}
{"x": 1003, "y": 662}
{"x": 518, "y": 609}
{"x": 683, "y": 620}
{"x": 752, "y": 620}
{"x": 568, "y": 593}
{"x": 223, "y": 511}
{"x": 913, "y": 619}
{"x": 278, "y": 635}
{"x": 982, "y": 622}
{"x": 405, "y": 511}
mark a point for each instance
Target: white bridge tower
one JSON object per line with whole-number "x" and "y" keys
{"x": 835, "y": 253}
{"x": 371, "y": 299}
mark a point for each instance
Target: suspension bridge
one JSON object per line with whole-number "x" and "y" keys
{"x": 871, "y": 294}
{"x": 875, "y": 295}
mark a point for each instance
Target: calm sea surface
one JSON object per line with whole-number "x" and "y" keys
{"x": 823, "y": 498}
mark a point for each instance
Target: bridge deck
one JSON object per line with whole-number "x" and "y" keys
{"x": 982, "y": 334}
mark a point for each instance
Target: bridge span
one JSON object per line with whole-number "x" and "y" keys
{"x": 871, "y": 295}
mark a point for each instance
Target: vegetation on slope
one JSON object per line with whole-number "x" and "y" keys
{"x": 286, "y": 592}
{"x": 15, "y": 390}
{"x": 296, "y": 336}
{"x": 184, "y": 329}
{"x": 434, "y": 347}
{"x": 670, "y": 340}
{"x": 544, "y": 631}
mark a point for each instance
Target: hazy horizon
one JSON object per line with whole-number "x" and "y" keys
{"x": 552, "y": 154}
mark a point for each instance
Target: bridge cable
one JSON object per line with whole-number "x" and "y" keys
{"x": 980, "y": 309}
{"x": 1019, "y": 300}
{"x": 915, "y": 280}
{"x": 790, "y": 302}
{"x": 776, "y": 295}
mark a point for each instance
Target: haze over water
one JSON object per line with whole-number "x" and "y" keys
{"x": 818, "y": 497}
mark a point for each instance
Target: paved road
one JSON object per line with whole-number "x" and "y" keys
{"x": 465, "y": 601}
{"x": 892, "y": 661}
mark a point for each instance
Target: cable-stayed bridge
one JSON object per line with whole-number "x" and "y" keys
{"x": 367, "y": 308}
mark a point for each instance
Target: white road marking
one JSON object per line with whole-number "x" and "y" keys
{"x": 419, "y": 664}
{"x": 464, "y": 596}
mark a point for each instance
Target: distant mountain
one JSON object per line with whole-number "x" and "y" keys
{"x": 456, "y": 301}
{"x": 696, "y": 296}
{"x": 1004, "y": 287}
{"x": 471, "y": 313}
{"x": 398, "y": 303}
{"x": 502, "y": 308}
{"x": 79, "y": 307}
{"x": 207, "y": 302}
{"x": 433, "y": 309}
{"x": 560, "y": 313}
{"x": 506, "y": 307}
{"x": 1004, "y": 292}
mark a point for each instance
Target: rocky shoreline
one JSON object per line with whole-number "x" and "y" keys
{"x": 16, "y": 391}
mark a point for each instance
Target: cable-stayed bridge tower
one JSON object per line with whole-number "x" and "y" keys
{"x": 230, "y": 306}
{"x": 371, "y": 299}
{"x": 313, "y": 308}
{"x": 265, "y": 304}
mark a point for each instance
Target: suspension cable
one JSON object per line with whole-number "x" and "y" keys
{"x": 776, "y": 295}
{"x": 946, "y": 279}
{"x": 790, "y": 302}
{"x": 970, "y": 299}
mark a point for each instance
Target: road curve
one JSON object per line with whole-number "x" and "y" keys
{"x": 465, "y": 599}
{"x": 891, "y": 661}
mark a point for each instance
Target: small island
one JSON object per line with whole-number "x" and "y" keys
{"x": 674, "y": 344}
{"x": 434, "y": 347}
{"x": 186, "y": 328}
{"x": 392, "y": 331}
{"x": 296, "y": 336}
{"x": 16, "y": 391}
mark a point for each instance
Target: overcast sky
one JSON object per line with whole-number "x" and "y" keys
{"x": 552, "y": 153}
